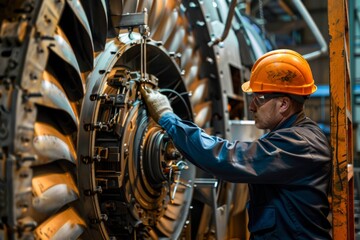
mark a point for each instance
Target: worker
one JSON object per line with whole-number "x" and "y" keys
{"x": 288, "y": 170}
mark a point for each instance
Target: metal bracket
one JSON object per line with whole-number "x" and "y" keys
{"x": 133, "y": 20}
{"x": 139, "y": 20}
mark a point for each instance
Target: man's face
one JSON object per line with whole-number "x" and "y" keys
{"x": 265, "y": 108}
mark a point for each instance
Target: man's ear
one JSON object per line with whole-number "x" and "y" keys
{"x": 285, "y": 104}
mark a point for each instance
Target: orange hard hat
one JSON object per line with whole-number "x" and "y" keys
{"x": 281, "y": 70}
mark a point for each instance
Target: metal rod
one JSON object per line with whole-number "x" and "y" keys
{"x": 143, "y": 59}
{"x": 144, "y": 31}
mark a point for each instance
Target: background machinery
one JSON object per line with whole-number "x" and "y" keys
{"x": 79, "y": 155}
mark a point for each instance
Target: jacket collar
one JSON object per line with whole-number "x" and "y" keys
{"x": 292, "y": 120}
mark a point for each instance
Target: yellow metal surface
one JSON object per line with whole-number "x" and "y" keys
{"x": 341, "y": 122}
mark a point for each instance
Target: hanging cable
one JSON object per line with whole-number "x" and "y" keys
{"x": 261, "y": 14}
{"x": 179, "y": 96}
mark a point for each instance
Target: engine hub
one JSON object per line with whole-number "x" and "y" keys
{"x": 139, "y": 182}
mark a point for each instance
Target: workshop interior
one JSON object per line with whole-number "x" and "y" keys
{"x": 80, "y": 157}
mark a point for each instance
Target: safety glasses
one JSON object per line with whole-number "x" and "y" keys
{"x": 260, "y": 99}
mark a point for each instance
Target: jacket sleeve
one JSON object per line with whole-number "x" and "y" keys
{"x": 285, "y": 157}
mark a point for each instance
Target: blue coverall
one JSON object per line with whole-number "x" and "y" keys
{"x": 288, "y": 171}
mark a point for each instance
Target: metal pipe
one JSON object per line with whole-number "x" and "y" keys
{"x": 227, "y": 25}
{"x": 314, "y": 29}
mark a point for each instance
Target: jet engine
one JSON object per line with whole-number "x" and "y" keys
{"x": 80, "y": 156}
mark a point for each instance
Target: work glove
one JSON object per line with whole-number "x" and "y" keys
{"x": 157, "y": 103}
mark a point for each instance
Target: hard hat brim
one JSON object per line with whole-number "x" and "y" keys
{"x": 246, "y": 87}
{"x": 310, "y": 90}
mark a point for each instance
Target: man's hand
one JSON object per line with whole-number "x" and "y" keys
{"x": 157, "y": 103}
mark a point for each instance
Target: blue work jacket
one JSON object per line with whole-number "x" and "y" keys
{"x": 288, "y": 171}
